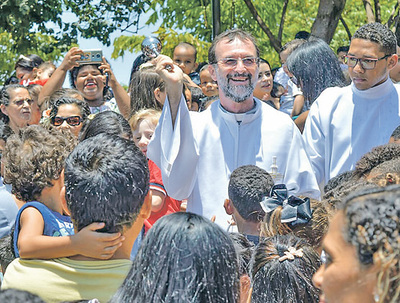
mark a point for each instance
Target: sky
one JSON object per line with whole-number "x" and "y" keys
{"x": 121, "y": 66}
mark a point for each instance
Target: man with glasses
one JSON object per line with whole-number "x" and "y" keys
{"x": 197, "y": 152}
{"x": 345, "y": 123}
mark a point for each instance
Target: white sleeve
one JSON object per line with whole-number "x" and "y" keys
{"x": 299, "y": 175}
{"x": 175, "y": 152}
{"x": 314, "y": 140}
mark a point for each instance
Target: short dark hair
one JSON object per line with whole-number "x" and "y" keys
{"x": 396, "y": 133}
{"x": 247, "y": 186}
{"x": 106, "y": 180}
{"x": 107, "y": 122}
{"x": 12, "y": 295}
{"x": 188, "y": 45}
{"x": 183, "y": 258}
{"x": 231, "y": 35}
{"x": 34, "y": 158}
{"x": 284, "y": 281}
{"x": 292, "y": 45}
{"x": 378, "y": 33}
{"x": 342, "y": 49}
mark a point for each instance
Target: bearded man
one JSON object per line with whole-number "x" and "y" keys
{"x": 197, "y": 152}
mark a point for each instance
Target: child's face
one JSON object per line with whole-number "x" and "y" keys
{"x": 184, "y": 58}
{"x": 45, "y": 73}
{"x": 142, "y": 134}
{"x": 207, "y": 84}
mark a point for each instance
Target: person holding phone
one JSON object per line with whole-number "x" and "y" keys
{"x": 92, "y": 79}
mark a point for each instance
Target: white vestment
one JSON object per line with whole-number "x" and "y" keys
{"x": 345, "y": 123}
{"x": 198, "y": 155}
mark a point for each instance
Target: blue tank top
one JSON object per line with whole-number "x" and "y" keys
{"x": 55, "y": 224}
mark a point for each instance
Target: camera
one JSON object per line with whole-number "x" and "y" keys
{"x": 91, "y": 56}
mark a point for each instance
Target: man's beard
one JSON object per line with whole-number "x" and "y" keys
{"x": 238, "y": 93}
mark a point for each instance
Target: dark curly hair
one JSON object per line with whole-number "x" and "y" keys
{"x": 247, "y": 186}
{"x": 34, "y": 158}
{"x": 373, "y": 224}
{"x": 82, "y": 105}
{"x": 378, "y": 33}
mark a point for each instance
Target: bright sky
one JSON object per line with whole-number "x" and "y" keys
{"x": 121, "y": 66}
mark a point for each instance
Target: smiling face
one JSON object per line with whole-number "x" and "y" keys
{"x": 235, "y": 83}
{"x": 90, "y": 82}
{"x": 69, "y": 110}
{"x": 264, "y": 83}
{"x": 19, "y": 108}
{"x": 24, "y": 73}
{"x": 341, "y": 278}
{"x": 365, "y": 49}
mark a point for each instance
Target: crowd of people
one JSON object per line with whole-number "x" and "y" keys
{"x": 224, "y": 181}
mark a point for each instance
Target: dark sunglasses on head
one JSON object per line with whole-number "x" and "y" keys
{"x": 72, "y": 121}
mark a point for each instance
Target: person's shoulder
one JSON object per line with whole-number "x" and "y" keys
{"x": 332, "y": 95}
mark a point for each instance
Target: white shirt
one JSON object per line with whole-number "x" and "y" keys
{"x": 197, "y": 157}
{"x": 345, "y": 123}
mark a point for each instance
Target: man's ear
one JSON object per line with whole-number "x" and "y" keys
{"x": 145, "y": 211}
{"x": 228, "y": 206}
{"x": 392, "y": 61}
{"x": 64, "y": 202}
{"x": 211, "y": 69}
{"x": 3, "y": 109}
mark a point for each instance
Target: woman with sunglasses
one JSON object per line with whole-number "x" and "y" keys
{"x": 15, "y": 105}
{"x": 69, "y": 113}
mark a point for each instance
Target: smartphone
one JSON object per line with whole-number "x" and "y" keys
{"x": 91, "y": 56}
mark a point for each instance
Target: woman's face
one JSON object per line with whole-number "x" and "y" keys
{"x": 342, "y": 278}
{"x": 264, "y": 84}
{"x": 90, "y": 82}
{"x": 23, "y": 73}
{"x": 19, "y": 108}
{"x": 70, "y": 111}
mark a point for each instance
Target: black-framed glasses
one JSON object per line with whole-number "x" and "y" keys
{"x": 364, "y": 62}
{"x": 19, "y": 103}
{"x": 72, "y": 121}
{"x": 232, "y": 62}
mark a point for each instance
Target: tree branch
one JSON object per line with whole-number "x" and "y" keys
{"x": 369, "y": 11}
{"x": 284, "y": 9}
{"x": 345, "y": 27}
{"x": 275, "y": 43}
{"x": 378, "y": 16}
{"x": 393, "y": 15}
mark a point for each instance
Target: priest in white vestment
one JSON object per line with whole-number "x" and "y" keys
{"x": 197, "y": 152}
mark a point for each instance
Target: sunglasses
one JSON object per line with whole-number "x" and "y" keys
{"x": 72, "y": 121}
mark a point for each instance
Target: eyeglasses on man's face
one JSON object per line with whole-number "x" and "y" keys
{"x": 369, "y": 63}
{"x": 232, "y": 62}
{"x": 72, "y": 121}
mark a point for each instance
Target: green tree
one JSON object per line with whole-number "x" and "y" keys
{"x": 36, "y": 26}
{"x": 273, "y": 23}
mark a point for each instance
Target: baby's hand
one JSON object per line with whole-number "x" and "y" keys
{"x": 90, "y": 243}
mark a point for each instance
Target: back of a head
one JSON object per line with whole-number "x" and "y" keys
{"x": 18, "y": 296}
{"x": 107, "y": 122}
{"x": 142, "y": 87}
{"x": 283, "y": 267}
{"x": 380, "y": 34}
{"x": 316, "y": 66}
{"x": 183, "y": 258}
{"x": 34, "y": 158}
{"x": 247, "y": 186}
{"x": 106, "y": 180}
